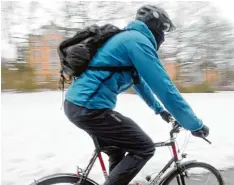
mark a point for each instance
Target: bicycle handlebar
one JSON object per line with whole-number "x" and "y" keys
{"x": 176, "y": 129}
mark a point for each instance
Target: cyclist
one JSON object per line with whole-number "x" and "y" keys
{"x": 90, "y": 99}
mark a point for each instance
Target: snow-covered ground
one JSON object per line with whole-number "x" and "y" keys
{"x": 38, "y": 140}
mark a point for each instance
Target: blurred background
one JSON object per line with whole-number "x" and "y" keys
{"x": 38, "y": 139}
{"x": 199, "y": 55}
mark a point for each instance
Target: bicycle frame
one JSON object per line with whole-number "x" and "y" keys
{"x": 97, "y": 154}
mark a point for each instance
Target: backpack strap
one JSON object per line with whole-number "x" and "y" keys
{"x": 111, "y": 68}
{"x": 119, "y": 69}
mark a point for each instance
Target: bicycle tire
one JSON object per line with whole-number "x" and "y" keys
{"x": 190, "y": 165}
{"x": 62, "y": 178}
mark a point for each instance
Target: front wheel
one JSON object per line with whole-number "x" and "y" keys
{"x": 62, "y": 178}
{"x": 195, "y": 173}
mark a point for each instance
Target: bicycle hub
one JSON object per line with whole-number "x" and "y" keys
{"x": 148, "y": 177}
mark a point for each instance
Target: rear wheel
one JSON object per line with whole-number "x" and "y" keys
{"x": 195, "y": 173}
{"x": 62, "y": 179}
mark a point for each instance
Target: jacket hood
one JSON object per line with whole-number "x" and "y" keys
{"x": 142, "y": 28}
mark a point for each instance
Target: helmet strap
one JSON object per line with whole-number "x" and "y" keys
{"x": 155, "y": 27}
{"x": 159, "y": 37}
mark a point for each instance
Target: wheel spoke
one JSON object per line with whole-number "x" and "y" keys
{"x": 182, "y": 179}
{"x": 178, "y": 179}
{"x": 208, "y": 180}
{"x": 196, "y": 174}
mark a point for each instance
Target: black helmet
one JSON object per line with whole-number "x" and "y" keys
{"x": 147, "y": 12}
{"x": 157, "y": 21}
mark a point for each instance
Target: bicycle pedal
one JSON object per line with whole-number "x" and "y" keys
{"x": 184, "y": 155}
{"x": 79, "y": 171}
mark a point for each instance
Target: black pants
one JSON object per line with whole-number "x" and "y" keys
{"x": 110, "y": 128}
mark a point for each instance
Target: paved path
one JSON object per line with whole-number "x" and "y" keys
{"x": 228, "y": 176}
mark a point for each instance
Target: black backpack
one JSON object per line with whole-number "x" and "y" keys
{"x": 75, "y": 53}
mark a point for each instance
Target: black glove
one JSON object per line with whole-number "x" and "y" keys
{"x": 204, "y": 132}
{"x": 166, "y": 116}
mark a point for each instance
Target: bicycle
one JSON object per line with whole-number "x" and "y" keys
{"x": 179, "y": 175}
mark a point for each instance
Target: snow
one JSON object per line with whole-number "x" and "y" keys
{"x": 38, "y": 140}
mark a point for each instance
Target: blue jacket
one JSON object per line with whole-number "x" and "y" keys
{"x": 133, "y": 47}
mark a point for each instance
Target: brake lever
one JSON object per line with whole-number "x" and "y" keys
{"x": 203, "y": 137}
{"x": 176, "y": 126}
{"x": 171, "y": 120}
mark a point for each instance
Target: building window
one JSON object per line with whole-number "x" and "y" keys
{"x": 38, "y": 66}
{"x": 36, "y": 53}
{"x": 53, "y": 54}
{"x": 54, "y": 60}
{"x": 53, "y": 57}
{"x": 55, "y": 76}
{"x": 36, "y": 43}
{"x": 54, "y": 66}
{"x": 52, "y": 42}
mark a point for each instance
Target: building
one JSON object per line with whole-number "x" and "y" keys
{"x": 211, "y": 76}
{"x": 21, "y": 51}
{"x": 43, "y": 57}
{"x": 192, "y": 74}
{"x": 171, "y": 69}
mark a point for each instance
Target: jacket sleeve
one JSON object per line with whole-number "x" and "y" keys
{"x": 143, "y": 90}
{"x": 145, "y": 59}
